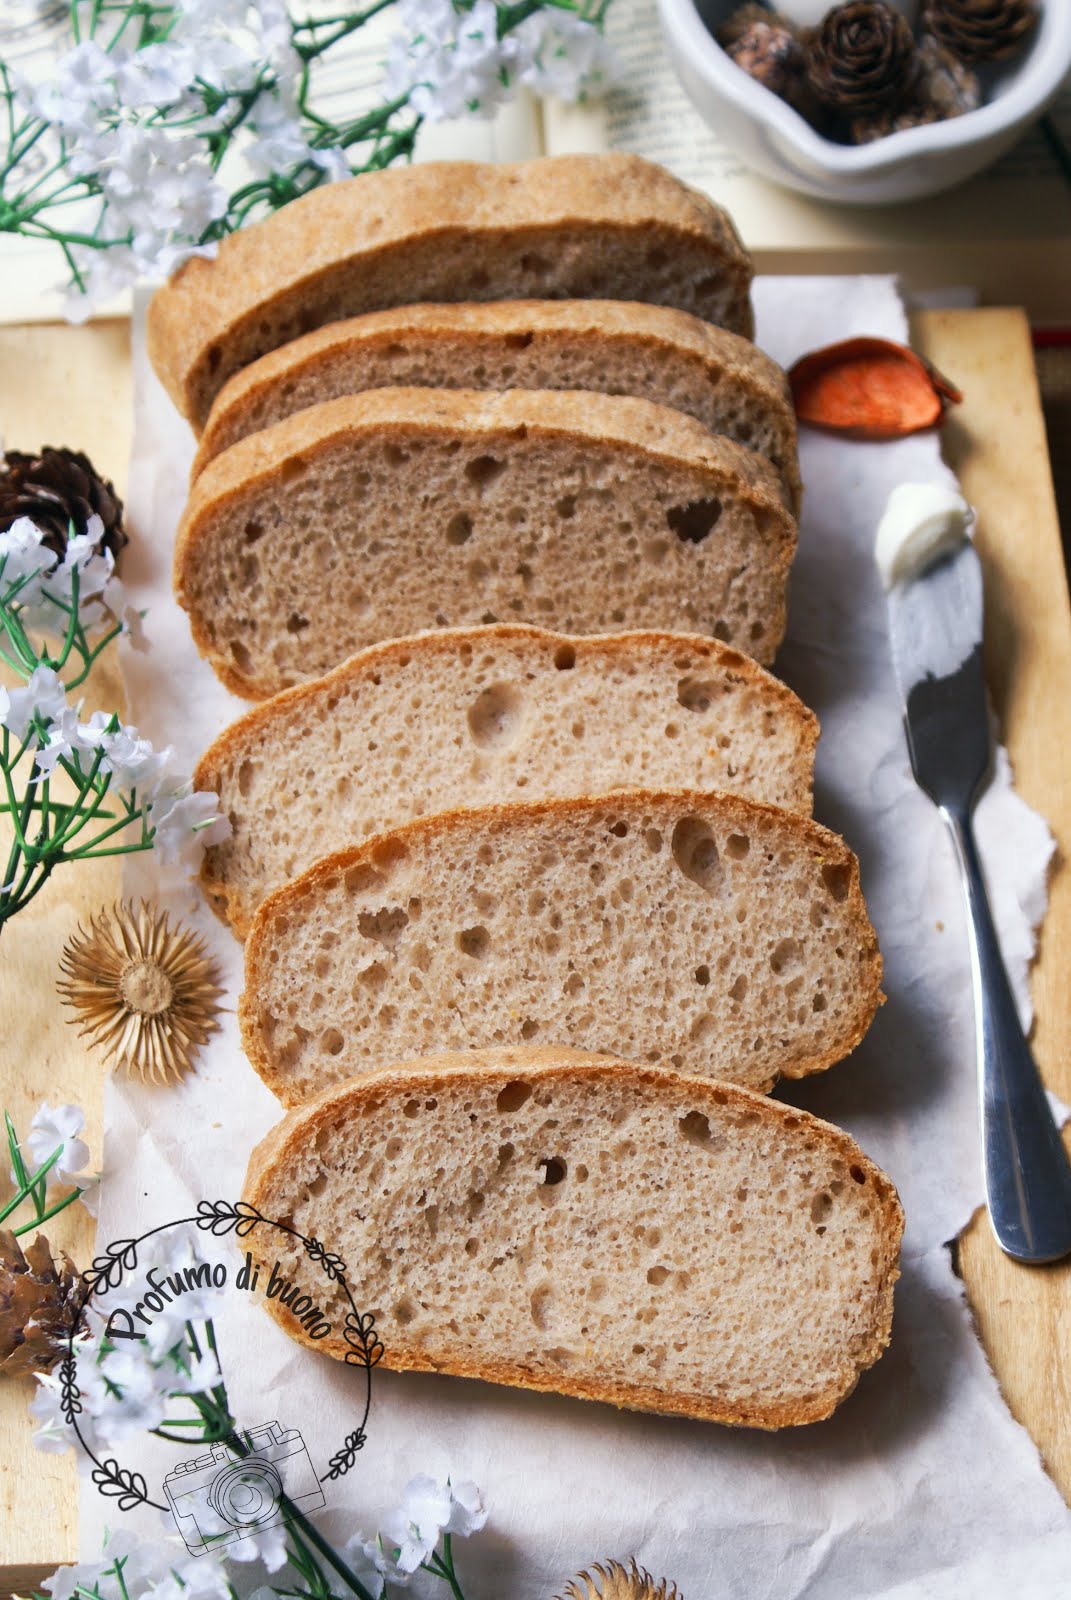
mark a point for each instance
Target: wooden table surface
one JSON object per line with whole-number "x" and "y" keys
{"x": 72, "y": 386}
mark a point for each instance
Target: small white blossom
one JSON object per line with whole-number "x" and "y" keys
{"x": 467, "y": 1510}
{"x": 134, "y": 1397}
{"x": 53, "y": 1129}
{"x": 23, "y": 555}
{"x": 280, "y": 142}
{"x": 43, "y": 696}
{"x": 80, "y": 85}
{"x": 450, "y": 62}
{"x": 565, "y": 56}
{"x": 363, "y": 1566}
{"x": 186, "y": 824}
{"x": 261, "y": 1544}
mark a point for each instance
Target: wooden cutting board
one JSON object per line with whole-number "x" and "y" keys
{"x": 72, "y": 386}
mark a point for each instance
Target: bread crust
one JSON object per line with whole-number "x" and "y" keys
{"x": 452, "y": 1072}
{"x": 827, "y": 846}
{"x": 258, "y": 723}
{"x": 597, "y": 325}
{"x": 613, "y": 422}
{"x": 314, "y": 260}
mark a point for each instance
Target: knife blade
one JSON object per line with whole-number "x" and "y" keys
{"x": 935, "y": 629}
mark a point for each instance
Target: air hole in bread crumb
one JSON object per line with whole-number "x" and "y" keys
{"x": 696, "y": 694}
{"x": 241, "y": 657}
{"x": 395, "y": 455}
{"x": 474, "y": 942}
{"x": 619, "y": 829}
{"x": 818, "y": 1003}
{"x": 565, "y": 658}
{"x": 296, "y": 623}
{"x": 529, "y": 1028}
{"x": 702, "y": 976}
{"x": 518, "y": 341}
{"x": 695, "y": 1127}
{"x": 785, "y": 955}
{"x": 295, "y": 467}
{"x": 246, "y": 773}
{"x": 512, "y": 1096}
{"x": 482, "y": 470}
{"x": 459, "y": 528}
{"x": 696, "y": 854}
{"x": 857, "y": 1174}
{"x": 657, "y": 1275}
{"x": 494, "y": 718}
{"x": 253, "y": 531}
{"x": 384, "y": 926}
{"x": 694, "y": 522}
{"x": 404, "y": 1312}
{"x": 331, "y": 1042}
{"x": 836, "y": 875}
{"x": 737, "y": 846}
{"x": 653, "y": 840}
{"x": 411, "y": 1108}
{"x": 554, "y": 1170}
{"x": 471, "y": 1246}
{"x": 821, "y": 1206}
{"x": 360, "y": 878}
{"x": 566, "y": 506}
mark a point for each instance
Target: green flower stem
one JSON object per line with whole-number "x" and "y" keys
{"x": 27, "y": 1185}
{"x": 46, "y": 1216}
{"x": 443, "y": 1567}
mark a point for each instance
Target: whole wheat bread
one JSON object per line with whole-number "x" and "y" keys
{"x": 710, "y": 934}
{"x": 468, "y": 716}
{"x": 554, "y": 1220}
{"x": 381, "y": 514}
{"x": 614, "y": 347}
{"x": 608, "y": 227}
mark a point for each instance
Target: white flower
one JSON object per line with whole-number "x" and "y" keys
{"x": 467, "y": 1510}
{"x": 157, "y": 75}
{"x": 81, "y": 84}
{"x": 261, "y": 1544}
{"x": 280, "y": 142}
{"x": 22, "y": 555}
{"x": 53, "y": 1129}
{"x": 185, "y": 824}
{"x": 43, "y": 696}
{"x": 135, "y": 1396}
{"x": 566, "y": 56}
{"x": 363, "y": 1566}
{"x": 450, "y": 62}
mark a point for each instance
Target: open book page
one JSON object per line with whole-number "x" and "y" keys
{"x": 975, "y": 234}
{"x": 33, "y": 275}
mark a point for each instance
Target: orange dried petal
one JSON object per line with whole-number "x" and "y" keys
{"x": 869, "y": 389}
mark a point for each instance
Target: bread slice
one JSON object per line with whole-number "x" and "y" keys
{"x": 472, "y": 715}
{"x": 382, "y": 514}
{"x": 556, "y": 1220}
{"x": 614, "y": 347}
{"x": 710, "y": 934}
{"x": 609, "y": 227}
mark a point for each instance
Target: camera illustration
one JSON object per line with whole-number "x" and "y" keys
{"x": 217, "y": 1497}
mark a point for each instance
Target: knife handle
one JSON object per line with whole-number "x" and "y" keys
{"x": 1027, "y": 1171}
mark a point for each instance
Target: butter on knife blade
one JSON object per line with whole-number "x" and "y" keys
{"x": 935, "y": 629}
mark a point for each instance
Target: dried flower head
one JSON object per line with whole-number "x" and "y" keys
{"x": 615, "y": 1582}
{"x": 145, "y": 992}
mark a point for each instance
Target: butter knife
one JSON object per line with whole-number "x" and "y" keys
{"x": 935, "y": 624}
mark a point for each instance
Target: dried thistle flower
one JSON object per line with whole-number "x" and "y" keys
{"x": 145, "y": 992}
{"x": 615, "y": 1582}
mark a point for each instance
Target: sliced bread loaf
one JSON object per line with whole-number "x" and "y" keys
{"x": 468, "y": 716}
{"x": 652, "y": 352}
{"x": 381, "y": 514}
{"x": 710, "y": 934}
{"x": 555, "y": 1220}
{"x": 611, "y": 227}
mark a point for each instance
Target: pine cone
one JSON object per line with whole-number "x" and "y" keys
{"x": 946, "y": 85}
{"x": 37, "y": 1304}
{"x": 862, "y": 59}
{"x": 864, "y": 130}
{"x": 977, "y": 31}
{"x": 769, "y": 48}
{"x": 56, "y": 488}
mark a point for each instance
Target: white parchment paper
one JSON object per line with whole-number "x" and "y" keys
{"x": 921, "y": 1485}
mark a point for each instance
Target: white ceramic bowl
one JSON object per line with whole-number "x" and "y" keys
{"x": 775, "y": 140}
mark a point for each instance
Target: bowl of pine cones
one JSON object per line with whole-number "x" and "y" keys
{"x": 869, "y": 102}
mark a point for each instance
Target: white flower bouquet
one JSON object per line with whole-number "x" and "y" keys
{"x": 161, "y": 127}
